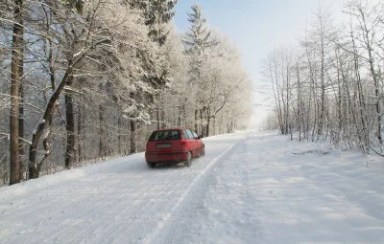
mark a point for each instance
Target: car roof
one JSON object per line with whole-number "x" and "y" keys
{"x": 165, "y": 129}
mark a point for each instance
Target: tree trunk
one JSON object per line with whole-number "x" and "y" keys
{"x": 42, "y": 128}
{"x": 196, "y": 114}
{"x": 287, "y": 120}
{"x": 201, "y": 120}
{"x": 339, "y": 107}
{"x": 179, "y": 115}
{"x": 21, "y": 117}
{"x": 102, "y": 146}
{"x": 322, "y": 78}
{"x": 119, "y": 121}
{"x": 34, "y": 172}
{"x": 363, "y": 132}
{"x": 133, "y": 137}
{"x": 70, "y": 127}
{"x": 163, "y": 124}
{"x": 214, "y": 125}
{"x": 208, "y": 122}
{"x": 299, "y": 103}
{"x": 79, "y": 131}
{"x": 368, "y": 39}
{"x": 221, "y": 129}
{"x": 315, "y": 104}
{"x": 16, "y": 75}
{"x": 158, "y": 118}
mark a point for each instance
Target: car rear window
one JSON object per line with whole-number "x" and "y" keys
{"x": 165, "y": 135}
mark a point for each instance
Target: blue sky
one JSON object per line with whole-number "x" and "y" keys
{"x": 257, "y": 26}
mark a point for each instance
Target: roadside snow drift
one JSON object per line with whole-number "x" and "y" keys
{"x": 249, "y": 188}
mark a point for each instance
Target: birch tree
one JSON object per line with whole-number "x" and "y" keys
{"x": 368, "y": 36}
{"x": 339, "y": 76}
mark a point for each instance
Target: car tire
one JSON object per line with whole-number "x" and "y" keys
{"x": 151, "y": 165}
{"x": 202, "y": 152}
{"x": 189, "y": 159}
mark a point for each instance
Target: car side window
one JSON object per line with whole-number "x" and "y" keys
{"x": 195, "y": 135}
{"x": 190, "y": 134}
{"x": 186, "y": 135}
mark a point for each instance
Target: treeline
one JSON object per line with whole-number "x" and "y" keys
{"x": 330, "y": 86}
{"x": 84, "y": 80}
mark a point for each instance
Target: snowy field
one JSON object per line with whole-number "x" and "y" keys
{"x": 249, "y": 188}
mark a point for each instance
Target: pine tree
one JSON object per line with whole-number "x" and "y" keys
{"x": 197, "y": 41}
{"x": 157, "y": 15}
{"x": 199, "y": 36}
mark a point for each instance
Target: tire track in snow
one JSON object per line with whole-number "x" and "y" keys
{"x": 225, "y": 212}
{"x": 122, "y": 218}
{"x": 163, "y": 227}
{"x": 116, "y": 202}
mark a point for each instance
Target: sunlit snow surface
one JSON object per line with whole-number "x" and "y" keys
{"x": 249, "y": 188}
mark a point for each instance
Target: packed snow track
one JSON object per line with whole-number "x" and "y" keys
{"x": 248, "y": 188}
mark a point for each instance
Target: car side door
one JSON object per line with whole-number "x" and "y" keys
{"x": 198, "y": 142}
{"x": 191, "y": 142}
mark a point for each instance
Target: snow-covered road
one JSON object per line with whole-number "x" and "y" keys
{"x": 249, "y": 188}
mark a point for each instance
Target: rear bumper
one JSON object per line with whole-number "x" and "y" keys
{"x": 153, "y": 157}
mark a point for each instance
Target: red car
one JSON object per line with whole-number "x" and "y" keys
{"x": 173, "y": 145}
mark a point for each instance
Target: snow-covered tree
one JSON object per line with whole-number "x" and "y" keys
{"x": 336, "y": 79}
{"x": 157, "y": 16}
{"x": 103, "y": 74}
{"x": 198, "y": 40}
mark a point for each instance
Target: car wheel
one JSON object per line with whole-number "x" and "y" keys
{"x": 189, "y": 159}
{"x": 202, "y": 152}
{"x": 151, "y": 165}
